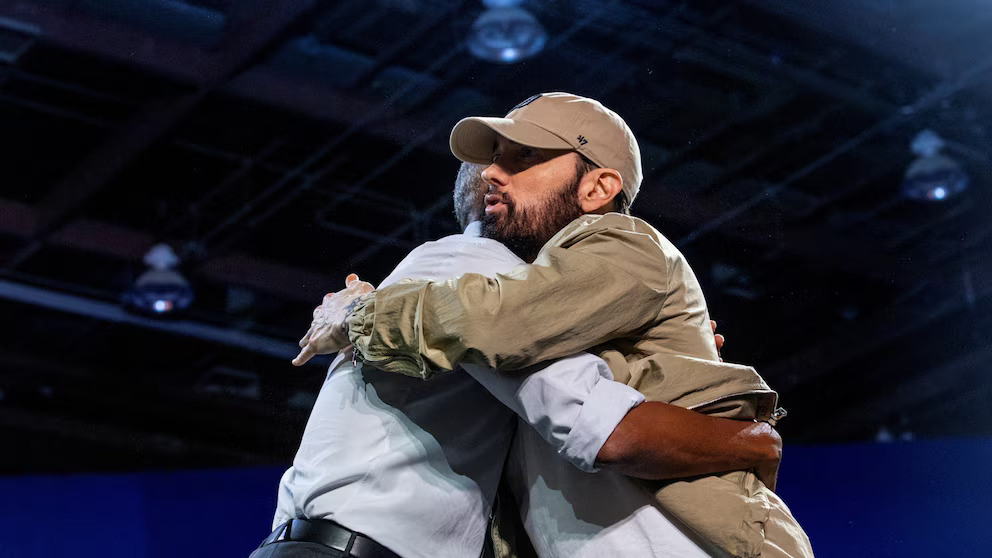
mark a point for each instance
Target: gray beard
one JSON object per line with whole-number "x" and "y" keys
{"x": 525, "y": 232}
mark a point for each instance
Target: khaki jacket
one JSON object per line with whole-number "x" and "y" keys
{"x": 615, "y": 284}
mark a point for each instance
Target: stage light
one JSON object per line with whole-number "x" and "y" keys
{"x": 506, "y": 33}
{"x": 161, "y": 290}
{"x": 932, "y": 176}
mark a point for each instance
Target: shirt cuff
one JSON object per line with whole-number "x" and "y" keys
{"x": 602, "y": 411}
{"x": 370, "y": 348}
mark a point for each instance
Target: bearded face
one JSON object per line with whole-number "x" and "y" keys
{"x": 525, "y": 229}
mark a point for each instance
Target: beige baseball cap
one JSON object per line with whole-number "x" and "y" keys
{"x": 556, "y": 121}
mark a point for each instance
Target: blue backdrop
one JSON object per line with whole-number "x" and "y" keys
{"x": 922, "y": 498}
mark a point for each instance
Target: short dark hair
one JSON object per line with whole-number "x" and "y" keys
{"x": 620, "y": 201}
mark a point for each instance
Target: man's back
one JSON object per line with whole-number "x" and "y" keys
{"x": 388, "y": 455}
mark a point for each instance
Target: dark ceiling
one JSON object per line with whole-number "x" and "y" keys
{"x": 278, "y": 145}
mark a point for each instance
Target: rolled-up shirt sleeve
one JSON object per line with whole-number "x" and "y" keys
{"x": 573, "y": 402}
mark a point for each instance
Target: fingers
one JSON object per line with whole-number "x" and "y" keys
{"x": 356, "y": 285}
{"x": 717, "y": 338}
{"x": 364, "y": 288}
{"x": 309, "y": 334}
{"x": 323, "y": 336}
{"x": 305, "y": 355}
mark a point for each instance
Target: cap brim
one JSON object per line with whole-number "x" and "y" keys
{"x": 474, "y": 138}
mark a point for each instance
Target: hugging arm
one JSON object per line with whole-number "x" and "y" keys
{"x": 661, "y": 441}
{"x": 594, "y": 422}
{"x": 517, "y": 319}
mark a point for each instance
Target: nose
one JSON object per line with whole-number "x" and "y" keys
{"x": 495, "y": 176}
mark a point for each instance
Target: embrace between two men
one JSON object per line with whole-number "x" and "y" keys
{"x": 558, "y": 310}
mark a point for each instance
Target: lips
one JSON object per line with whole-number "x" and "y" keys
{"x": 495, "y": 201}
{"x": 494, "y": 198}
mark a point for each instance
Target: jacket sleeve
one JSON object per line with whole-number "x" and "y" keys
{"x": 605, "y": 285}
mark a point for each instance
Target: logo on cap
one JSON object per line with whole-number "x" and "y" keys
{"x": 526, "y": 101}
{"x": 582, "y": 140}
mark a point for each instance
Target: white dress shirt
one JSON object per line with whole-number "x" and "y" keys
{"x": 414, "y": 464}
{"x": 569, "y": 513}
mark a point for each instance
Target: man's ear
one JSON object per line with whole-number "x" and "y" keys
{"x": 598, "y": 188}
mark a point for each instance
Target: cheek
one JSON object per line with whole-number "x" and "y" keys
{"x": 529, "y": 200}
{"x": 536, "y": 188}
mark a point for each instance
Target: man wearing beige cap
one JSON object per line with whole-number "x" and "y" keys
{"x": 390, "y": 465}
{"x": 563, "y": 168}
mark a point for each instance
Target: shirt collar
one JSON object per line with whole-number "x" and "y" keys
{"x": 473, "y": 229}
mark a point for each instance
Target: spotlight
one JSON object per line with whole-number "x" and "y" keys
{"x": 506, "y": 33}
{"x": 932, "y": 176}
{"x": 161, "y": 290}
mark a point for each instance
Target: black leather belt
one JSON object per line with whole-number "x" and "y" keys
{"x": 329, "y": 533}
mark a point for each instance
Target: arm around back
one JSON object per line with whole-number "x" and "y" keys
{"x": 568, "y": 300}
{"x": 661, "y": 441}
